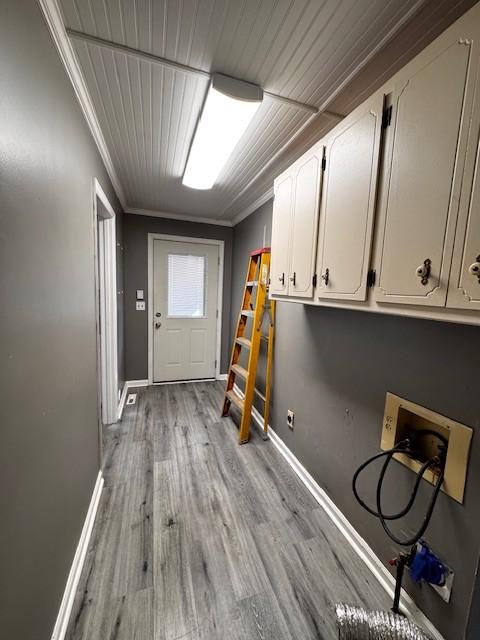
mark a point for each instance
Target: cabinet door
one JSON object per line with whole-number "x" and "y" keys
{"x": 348, "y": 204}
{"x": 305, "y": 225}
{"x": 464, "y": 287}
{"x": 281, "y": 224}
{"x": 427, "y": 140}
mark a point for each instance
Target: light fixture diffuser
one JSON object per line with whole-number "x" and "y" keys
{"x": 228, "y": 110}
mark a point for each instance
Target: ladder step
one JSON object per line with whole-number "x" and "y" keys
{"x": 248, "y": 312}
{"x": 245, "y": 342}
{"x": 240, "y": 371}
{"x": 251, "y": 283}
{"x": 259, "y": 394}
{"x": 237, "y": 401}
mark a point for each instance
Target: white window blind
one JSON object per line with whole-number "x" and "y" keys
{"x": 186, "y": 285}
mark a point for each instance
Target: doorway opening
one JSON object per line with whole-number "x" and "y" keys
{"x": 106, "y": 308}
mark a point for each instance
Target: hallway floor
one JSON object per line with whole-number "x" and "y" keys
{"x": 197, "y": 537}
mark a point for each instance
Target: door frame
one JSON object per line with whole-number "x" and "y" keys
{"x": 218, "y": 341}
{"x": 106, "y": 306}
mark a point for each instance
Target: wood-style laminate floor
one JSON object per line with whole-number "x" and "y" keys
{"x": 199, "y": 538}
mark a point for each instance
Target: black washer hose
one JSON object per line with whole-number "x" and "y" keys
{"x": 403, "y": 447}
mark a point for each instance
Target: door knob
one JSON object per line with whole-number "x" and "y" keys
{"x": 423, "y": 271}
{"x": 474, "y": 269}
{"x": 158, "y": 314}
{"x": 158, "y": 325}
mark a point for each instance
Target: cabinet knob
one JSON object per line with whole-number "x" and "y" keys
{"x": 474, "y": 269}
{"x": 293, "y": 278}
{"x": 423, "y": 271}
{"x": 282, "y": 279}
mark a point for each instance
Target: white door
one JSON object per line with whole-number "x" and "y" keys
{"x": 281, "y": 221}
{"x": 348, "y": 204}
{"x": 185, "y": 297}
{"x": 308, "y": 186}
{"x": 431, "y": 110}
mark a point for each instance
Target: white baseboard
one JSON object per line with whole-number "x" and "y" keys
{"x": 123, "y": 399}
{"x": 76, "y": 569}
{"x": 137, "y": 383}
{"x": 358, "y": 544}
{"x": 128, "y": 385}
{"x": 145, "y": 383}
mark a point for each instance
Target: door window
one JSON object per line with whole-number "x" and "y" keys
{"x": 186, "y": 286}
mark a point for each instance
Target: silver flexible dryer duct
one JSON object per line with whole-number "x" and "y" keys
{"x": 355, "y": 623}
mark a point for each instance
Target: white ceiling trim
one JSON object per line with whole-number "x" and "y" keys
{"x": 177, "y": 216}
{"x": 54, "y": 20}
{"x": 253, "y": 207}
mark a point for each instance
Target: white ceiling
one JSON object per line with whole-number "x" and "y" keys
{"x": 306, "y": 50}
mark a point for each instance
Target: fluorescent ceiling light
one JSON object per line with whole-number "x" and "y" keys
{"x": 228, "y": 110}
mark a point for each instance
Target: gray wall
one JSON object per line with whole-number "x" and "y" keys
{"x": 135, "y": 236}
{"x": 49, "y": 454}
{"x": 333, "y": 368}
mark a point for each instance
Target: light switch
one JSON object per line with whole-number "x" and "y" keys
{"x": 140, "y": 305}
{"x": 140, "y": 295}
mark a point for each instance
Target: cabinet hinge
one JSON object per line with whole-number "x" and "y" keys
{"x": 324, "y": 163}
{"x": 216, "y": 314}
{"x": 387, "y": 117}
{"x": 371, "y": 278}
{"x": 314, "y": 280}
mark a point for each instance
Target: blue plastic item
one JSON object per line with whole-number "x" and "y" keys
{"x": 426, "y": 566}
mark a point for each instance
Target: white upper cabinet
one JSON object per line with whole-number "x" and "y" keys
{"x": 348, "y": 203}
{"x": 305, "y": 224}
{"x": 424, "y": 165}
{"x": 281, "y": 223}
{"x": 385, "y": 209}
{"x": 294, "y": 227}
{"x": 464, "y": 288}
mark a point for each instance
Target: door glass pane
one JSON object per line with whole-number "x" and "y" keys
{"x": 186, "y": 285}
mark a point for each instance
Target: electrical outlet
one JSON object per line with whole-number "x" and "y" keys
{"x": 290, "y": 418}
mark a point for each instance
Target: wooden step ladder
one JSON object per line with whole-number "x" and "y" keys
{"x": 255, "y": 304}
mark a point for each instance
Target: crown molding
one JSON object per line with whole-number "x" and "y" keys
{"x": 177, "y": 216}
{"x": 54, "y": 20}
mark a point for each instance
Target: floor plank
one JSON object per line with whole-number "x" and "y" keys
{"x": 197, "y": 537}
